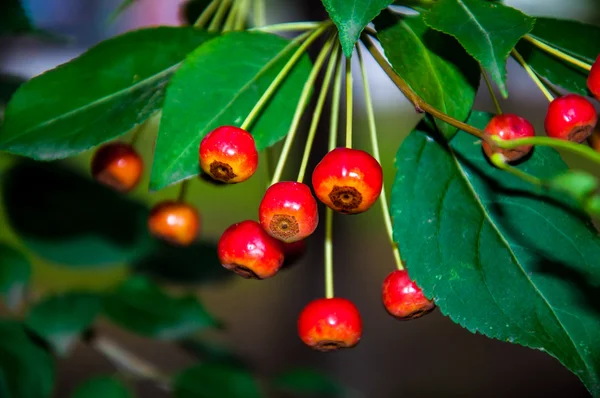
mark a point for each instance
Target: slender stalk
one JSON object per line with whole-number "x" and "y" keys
{"x": 183, "y": 190}
{"x": 499, "y": 161}
{"x": 318, "y": 109}
{"x": 335, "y": 107}
{"x": 491, "y": 90}
{"x": 215, "y": 24}
{"x": 232, "y": 17}
{"x": 288, "y": 26}
{"x": 373, "y": 134}
{"x": 302, "y": 103}
{"x": 582, "y": 150}
{"x": 557, "y": 53}
{"x": 538, "y": 82}
{"x": 309, "y": 38}
{"x": 207, "y": 14}
{"x": 260, "y": 15}
{"x": 328, "y": 253}
{"x": 242, "y": 15}
{"x": 349, "y": 104}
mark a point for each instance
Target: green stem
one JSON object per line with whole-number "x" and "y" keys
{"x": 316, "y": 117}
{"x": 491, "y": 90}
{"x": 557, "y": 53}
{"x": 335, "y": 107}
{"x": 538, "y": 82}
{"x": 309, "y": 38}
{"x": 242, "y": 16}
{"x": 574, "y": 147}
{"x": 373, "y": 134}
{"x": 499, "y": 161}
{"x": 207, "y": 14}
{"x": 260, "y": 18}
{"x": 183, "y": 190}
{"x": 288, "y": 26}
{"x": 232, "y": 17}
{"x": 215, "y": 24}
{"x": 349, "y": 105}
{"x": 328, "y": 253}
{"x": 302, "y": 103}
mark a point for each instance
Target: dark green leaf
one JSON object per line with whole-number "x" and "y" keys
{"x": 209, "y": 351}
{"x": 212, "y": 380}
{"x": 214, "y": 88}
{"x": 15, "y": 271}
{"x": 102, "y": 387}
{"x": 71, "y": 220}
{"x": 14, "y": 18}
{"x": 142, "y": 307}
{"x": 308, "y": 382}
{"x": 98, "y": 96}
{"x": 435, "y": 66}
{"x": 488, "y": 31}
{"x": 26, "y": 370}
{"x": 351, "y": 17}
{"x": 8, "y": 86}
{"x": 62, "y": 318}
{"x": 497, "y": 257}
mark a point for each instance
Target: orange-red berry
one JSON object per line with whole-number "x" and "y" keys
{"x": 246, "y": 249}
{"x": 348, "y": 180}
{"x": 571, "y": 118}
{"x": 509, "y": 127}
{"x": 403, "y": 298}
{"x": 329, "y": 324}
{"x": 117, "y": 165}
{"x": 175, "y": 222}
{"x": 288, "y": 211}
{"x": 593, "y": 80}
{"x": 229, "y": 154}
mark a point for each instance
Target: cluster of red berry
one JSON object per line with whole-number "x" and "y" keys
{"x": 571, "y": 117}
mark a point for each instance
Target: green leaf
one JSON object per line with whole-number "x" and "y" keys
{"x": 213, "y": 88}
{"x": 435, "y": 66}
{"x": 210, "y": 351}
{"x": 71, "y": 220}
{"x": 308, "y": 382}
{"x": 62, "y": 318}
{"x": 98, "y": 96}
{"x": 14, "y": 18}
{"x": 26, "y": 370}
{"x": 102, "y": 387}
{"x": 140, "y": 306}
{"x": 351, "y": 17}
{"x": 497, "y": 257}
{"x": 15, "y": 271}
{"x": 213, "y": 380}
{"x": 578, "y": 183}
{"x": 488, "y": 31}
{"x": 566, "y": 36}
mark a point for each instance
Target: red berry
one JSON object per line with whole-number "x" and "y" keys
{"x": 348, "y": 180}
{"x": 593, "y": 81}
{"x": 229, "y": 154}
{"x": 328, "y": 324}
{"x": 117, "y": 165}
{"x": 288, "y": 211}
{"x": 509, "y": 127}
{"x": 571, "y": 117}
{"x": 403, "y": 298}
{"x": 174, "y": 222}
{"x": 246, "y": 249}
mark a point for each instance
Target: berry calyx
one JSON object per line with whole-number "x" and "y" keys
{"x": 175, "y": 222}
{"x": 593, "y": 80}
{"x": 246, "y": 249}
{"x": 348, "y": 180}
{"x": 117, "y": 165}
{"x": 288, "y": 211}
{"x": 403, "y": 299}
{"x": 509, "y": 127}
{"x": 329, "y": 324}
{"x": 571, "y": 118}
{"x": 229, "y": 154}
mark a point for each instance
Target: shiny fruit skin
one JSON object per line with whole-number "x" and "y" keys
{"x": 348, "y": 180}
{"x": 288, "y": 211}
{"x": 571, "y": 118}
{"x": 246, "y": 249}
{"x": 403, "y": 299}
{"x": 117, "y": 165}
{"x": 229, "y": 154}
{"x": 175, "y": 222}
{"x": 329, "y": 324}
{"x": 593, "y": 80}
{"x": 509, "y": 127}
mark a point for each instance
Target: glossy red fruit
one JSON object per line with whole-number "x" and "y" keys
{"x": 117, "y": 165}
{"x": 348, "y": 180}
{"x": 246, "y": 249}
{"x": 593, "y": 80}
{"x": 403, "y": 298}
{"x": 571, "y": 117}
{"x": 229, "y": 154}
{"x": 175, "y": 222}
{"x": 288, "y": 211}
{"x": 509, "y": 127}
{"x": 329, "y": 324}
